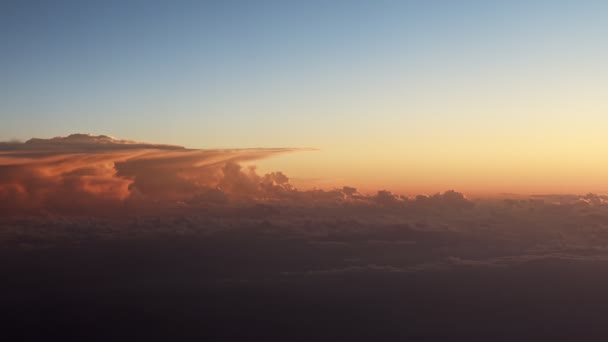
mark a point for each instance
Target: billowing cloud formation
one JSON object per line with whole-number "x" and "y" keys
{"x": 84, "y": 173}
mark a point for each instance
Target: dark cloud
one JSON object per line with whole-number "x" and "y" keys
{"x": 201, "y": 238}
{"x": 210, "y": 192}
{"x": 87, "y": 142}
{"x": 384, "y": 197}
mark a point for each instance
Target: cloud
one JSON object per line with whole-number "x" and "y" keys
{"x": 448, "y": 200}
{"x": 84, "y": 173}
{"x": 385, "y": 197}
{"x": 88, "y": 142}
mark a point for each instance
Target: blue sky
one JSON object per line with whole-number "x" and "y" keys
{"x": 176, "y": 68}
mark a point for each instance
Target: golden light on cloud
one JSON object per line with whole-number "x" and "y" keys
{"x": 102, "y": 172}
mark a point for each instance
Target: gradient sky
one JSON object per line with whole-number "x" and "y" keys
{"x": 418, "y": 96}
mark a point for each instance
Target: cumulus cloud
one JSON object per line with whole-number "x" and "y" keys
{"x": 449, "y": 199}
{"x": 85, "y": 172}
{"x": 385, "y": 197}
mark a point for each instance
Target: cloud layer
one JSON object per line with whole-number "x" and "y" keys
{"x": 114, "y": 224}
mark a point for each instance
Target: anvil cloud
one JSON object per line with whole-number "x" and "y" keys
{"x": 84, "y": 173}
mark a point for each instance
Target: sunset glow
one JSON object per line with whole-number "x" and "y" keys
{"x": 411, "y": 97}
{"x": 336, "y": 170}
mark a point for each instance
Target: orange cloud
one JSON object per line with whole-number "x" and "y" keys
{"x": 88, "y": 175}
{"x": 83, "y": 173}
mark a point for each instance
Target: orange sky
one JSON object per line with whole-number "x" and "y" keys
{"x": 482, "y": 174}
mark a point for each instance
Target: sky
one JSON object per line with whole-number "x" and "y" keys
{"x": 413, "y": 96}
